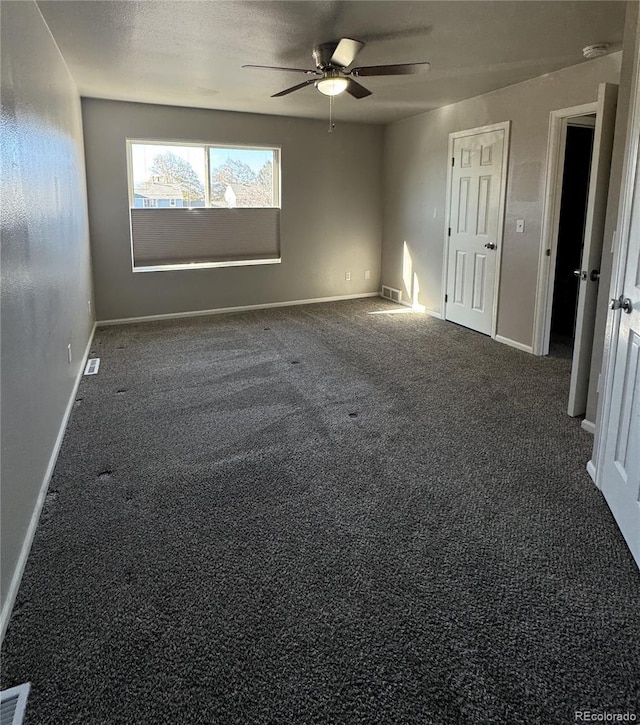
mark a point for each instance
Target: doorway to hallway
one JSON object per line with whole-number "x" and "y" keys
{"x": 574, "y": 319}
{"x": 571, "y": 227}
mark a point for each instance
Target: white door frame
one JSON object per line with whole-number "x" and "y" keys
{"x": 506, "y": 127}
{"x": 625, "y": 205}
{"x": 554, "y": 174}
{"x": 619, "y": 491}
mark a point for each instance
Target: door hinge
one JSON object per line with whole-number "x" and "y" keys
{"x": 446, "y": 298}
{"x": 449, "y": 232}
{"x": 453, "y": 161}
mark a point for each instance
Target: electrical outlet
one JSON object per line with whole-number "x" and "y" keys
{"x": 347, "y": 276}
{"x": 520, "y": 226}
{"x": 69, "y": 354}
{"x": 367, "y": 274}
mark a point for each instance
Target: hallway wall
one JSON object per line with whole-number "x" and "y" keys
{"x": 415, "y": 168}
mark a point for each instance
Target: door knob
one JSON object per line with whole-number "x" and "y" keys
{"x": 490, "y": 245}
{"x": 622, "y": 303}
{"x": 595, "y": 275}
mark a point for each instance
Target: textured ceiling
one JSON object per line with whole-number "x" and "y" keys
{"x": 190, "y": 53}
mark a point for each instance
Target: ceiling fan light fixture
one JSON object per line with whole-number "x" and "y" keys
{"x": 332, "y": 86}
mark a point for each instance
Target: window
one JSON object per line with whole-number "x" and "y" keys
{"x": 203, "y": 205}
{"x": 242, "y": 178}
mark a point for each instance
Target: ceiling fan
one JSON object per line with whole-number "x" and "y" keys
{"x": 332, "y": 77}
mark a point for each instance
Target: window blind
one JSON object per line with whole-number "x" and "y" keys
{"x": 162, "y": 237}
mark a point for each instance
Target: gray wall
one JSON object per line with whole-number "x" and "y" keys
{"x": 331, "y": 210}
{"x": 45, "y": 263}
{"x": 629, "y": 59}
{"x": 415, "y": 169}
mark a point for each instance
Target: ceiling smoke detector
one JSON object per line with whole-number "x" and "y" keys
{"x": 596, "y": 50}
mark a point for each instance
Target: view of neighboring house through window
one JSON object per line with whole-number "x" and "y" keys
{"x": 241, "y": 177}
{"x": 176, "y": 176}
{"x": 203, "y": 204}
{"x": 166, "y": 174}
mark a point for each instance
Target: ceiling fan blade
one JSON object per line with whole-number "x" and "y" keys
{"x": 292, "y": 89}
{"x": 414, "y": 31}
{"x": 345, "y": 52}
{"x": 399, "y": 69}
{"x": 291, "y": 70}
{"x": 356, "y": 90}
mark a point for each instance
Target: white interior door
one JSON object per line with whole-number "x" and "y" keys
{"x": 618, "y": 473}
{"x": 592, "y": 249}
{"x": 475, "y": 228}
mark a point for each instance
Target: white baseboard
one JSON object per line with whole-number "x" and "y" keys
{"x": 591, "y": 470}
{"x": 513, "y": 343}
{"x": 433, "y": 313}
{"x": 12, "y": 592}
{"x": 242, "y": 308}
{"x": 588, "y": 426}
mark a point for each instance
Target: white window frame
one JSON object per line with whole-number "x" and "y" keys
{"x": 205, "y": 145}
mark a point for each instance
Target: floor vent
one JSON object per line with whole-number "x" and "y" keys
{"x": 92, "y": 367}
{"x": 391, "y": 293}
{"x": 13, "y": 703}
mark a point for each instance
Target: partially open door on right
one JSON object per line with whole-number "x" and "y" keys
{"x": 592, "y": 249}
{"x": 618, "y": 433}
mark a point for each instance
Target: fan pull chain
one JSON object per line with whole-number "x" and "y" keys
{"x": 331, "y": 123}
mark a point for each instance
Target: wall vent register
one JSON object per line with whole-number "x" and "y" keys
{"x": 391, "y": 293}
{"x": 92, "y": 366}
{"x": 13, "y": 703}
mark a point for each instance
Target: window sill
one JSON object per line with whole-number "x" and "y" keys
{"x": 205, "y": 265}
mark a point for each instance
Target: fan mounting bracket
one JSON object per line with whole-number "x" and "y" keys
{"x": 322, "y": 55}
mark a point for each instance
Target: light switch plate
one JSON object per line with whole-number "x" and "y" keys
{"x": 520, "y": 226}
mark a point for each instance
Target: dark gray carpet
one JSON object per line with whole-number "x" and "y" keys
{"x": 322, "y": 515}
